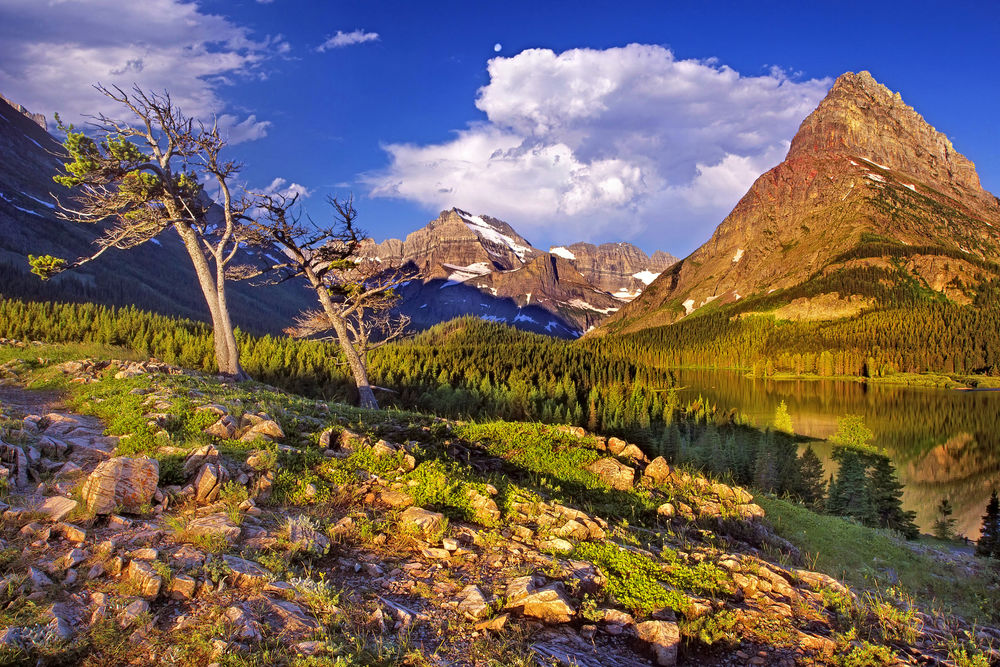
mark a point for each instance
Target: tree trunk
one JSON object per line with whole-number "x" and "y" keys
{"x": 359, "y": 370}
{"x": 226, "y": 352}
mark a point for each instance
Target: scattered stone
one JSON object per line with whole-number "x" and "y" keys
{"x": 208, "y": 482}
{"x": 132, "y": 613}
{"x": 182, "y": 587}
{"x": 246, "y": 573}
{"x": 199, "y": 457}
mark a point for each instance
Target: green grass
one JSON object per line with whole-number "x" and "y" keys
{"x": 872, "y": 559}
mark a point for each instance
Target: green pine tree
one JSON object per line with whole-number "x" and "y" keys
{"x": 989, "y": 537}
{"x": 850, "y": 492}
{"x": 887, "y": 498}
{"x": 812, "y": 486}
{"x": 944, "y": 526}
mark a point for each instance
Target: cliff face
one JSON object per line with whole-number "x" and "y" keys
{"x": 479, "y": 265}
{"x": 863, "y": 165}
{"x": 621, "y": 269}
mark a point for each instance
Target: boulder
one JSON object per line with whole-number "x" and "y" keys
{"x": 57, "y": 508}
{"x": 662, "y": 638}
{"x": 424, "y": 522}
{"x": 657, "y": 472}
{"x": 612, "y": 472}
{"x": 198, "y": 458}
{"x": 213, "y": 525}
{"x": 225, "y": 428}
{"x": 472, "y": 603}
{"x": 208, "y": 482}
{"x": 145, "y": 577}
{"x": 304, "y": 537}
{"x": 548, "y": 604}
{"x": 616, "y": 445}
{"x": 121, "y": 482}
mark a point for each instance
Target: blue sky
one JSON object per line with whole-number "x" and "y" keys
{"x": 567, "y": 132}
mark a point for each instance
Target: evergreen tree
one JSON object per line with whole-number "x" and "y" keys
{"x": 887, "y": 498}
{"x": 944, "y": 526}
{"x": 989, "y": 537}
{"x": 850, "y": 492}
{"x": 812, "y": 487}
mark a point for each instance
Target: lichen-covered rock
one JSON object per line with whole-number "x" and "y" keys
{"x": 121, "y": 483}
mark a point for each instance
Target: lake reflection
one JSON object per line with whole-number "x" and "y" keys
{"x": 945, "y": 443}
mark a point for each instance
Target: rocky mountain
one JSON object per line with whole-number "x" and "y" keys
{"x": 619, "y": 268}
{"x": 867, "y": 184}
{"x": 479, "y": 265}
{"x": 156, "y": 276}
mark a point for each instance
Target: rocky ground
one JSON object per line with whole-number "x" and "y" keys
{"x": 200, "y": 522}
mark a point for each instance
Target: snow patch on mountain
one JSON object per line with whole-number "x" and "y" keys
{"x": 486, "y": 231}
{"x": 646, "y": 276}
{"x": 738, "y": 256}
{"x": 565, "y": 253}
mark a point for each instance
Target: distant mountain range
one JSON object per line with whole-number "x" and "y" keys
{"x": 870, "y": 198}
{"x": 481, "y": 266}
{"x": 467, "y": 264}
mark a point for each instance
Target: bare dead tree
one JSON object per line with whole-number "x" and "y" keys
{"x": 144, "y": 176}
{"x": 356, "y": 294}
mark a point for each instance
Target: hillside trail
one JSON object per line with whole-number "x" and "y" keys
{"x": 32, "y": 401}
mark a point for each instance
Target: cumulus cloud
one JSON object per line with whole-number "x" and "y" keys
{"x": 342, "y": 39}
{"x": 281, "y": 186}
{"x": 52, "y": 54}
{"x": 604, "y": 143}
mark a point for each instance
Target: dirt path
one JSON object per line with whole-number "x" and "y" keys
{"x": 28, "y": 401}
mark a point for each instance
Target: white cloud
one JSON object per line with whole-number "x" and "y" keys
{"x": 342, "y": 39}
{"x": 601, "y": 143}
{"x": 53, "y": 52}
{"x": 281, "y": 186}
{"x": 238, "y": 131}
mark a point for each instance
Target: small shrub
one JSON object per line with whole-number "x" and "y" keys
{"x": 712, "y": 628}
{"x": 633, "y": 579}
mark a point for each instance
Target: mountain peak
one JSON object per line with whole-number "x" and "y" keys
{"x": 860, "y": 117}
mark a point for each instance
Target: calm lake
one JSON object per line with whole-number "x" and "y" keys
{"x": 945, "y": 443}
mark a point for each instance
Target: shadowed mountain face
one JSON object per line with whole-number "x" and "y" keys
{"x": 156, "y": 276}
{"x": 478, "y": 265}
{"x": 867, "y": 183}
